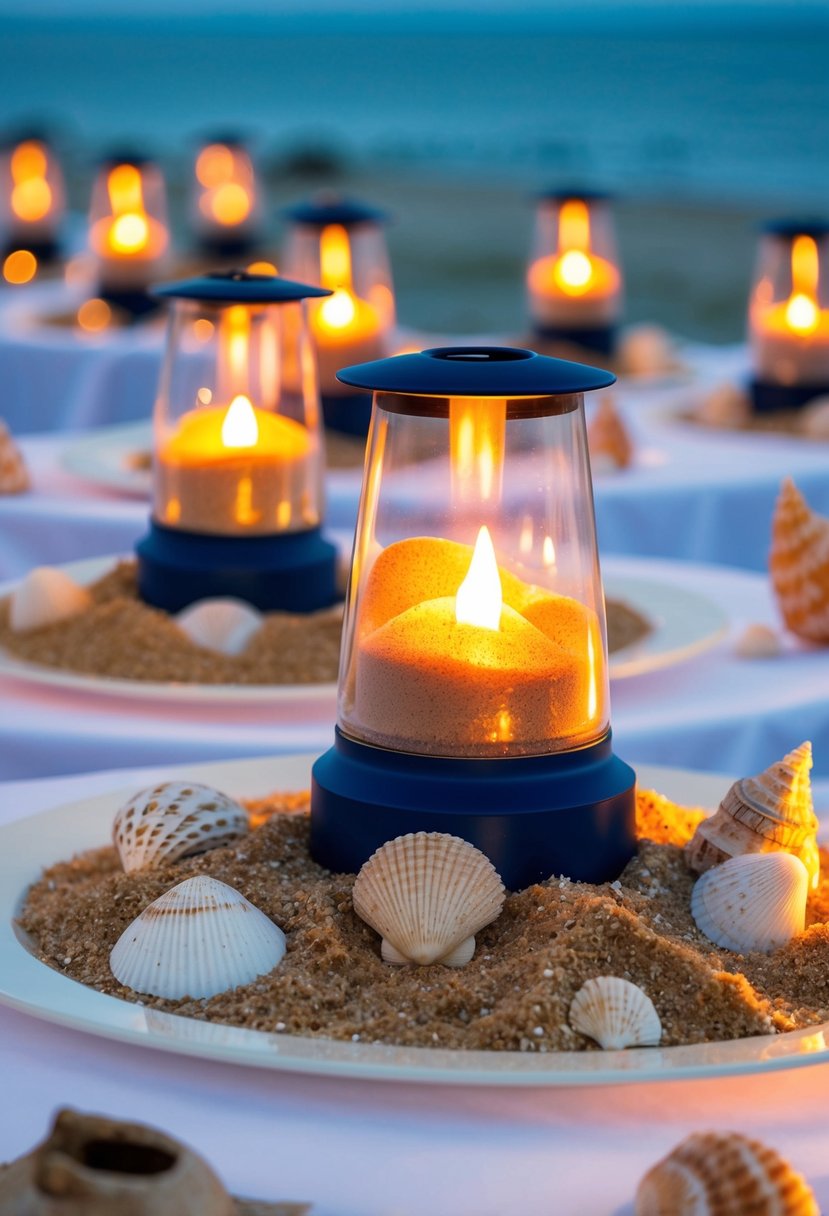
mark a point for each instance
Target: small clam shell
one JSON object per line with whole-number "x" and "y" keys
{"x": 723, "y": 1174}
{"x": 198, "y": 939}
{"x": 14, "y": 476}
{"x": 615, "y": 1013}
{"x": 427, "y": 895}
{"x": 223, "y": 625}
{"x": 753, "y": 902}
{"x": 799, "y": 565}
{"x": 758, "y": 642}
{"x": 172, "y": 820}
{"x": 44, "y": 596}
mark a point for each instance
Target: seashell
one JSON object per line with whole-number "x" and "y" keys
{"x": 172, "y": 820}
{"x": 723, "y": 1174}
{"x": 814, "y": 419}
{"x": 615, "y": 1013}
{"x": 754, "y": 902}
{"x": 799, "y": 565}
{"x": 14, "y": 476}
{"x": 762, "y": 814}
{"x": 427, "y": 895}
{"x": 758, "y": 642}
{"x": 726, "y": 405}
{"x": 44, "y": 596}
{"x": 198, "y": 939}
{"x": 607, "y": 437}
{"x": 223, "y": 625}
{"x": 646, "y": 350}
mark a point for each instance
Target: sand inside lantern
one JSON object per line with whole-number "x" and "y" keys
{"x": 419, "y": 681}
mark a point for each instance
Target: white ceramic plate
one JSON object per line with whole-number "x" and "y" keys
{"x": 683, "y": 624}
{"x": 29, "y": 985}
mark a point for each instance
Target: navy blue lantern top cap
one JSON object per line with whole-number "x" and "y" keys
{"x": 328, "y": 209}
{"x": 125, "y": 156}
{"x": 806, "y": 226}
{"x": 24, "y": 134}
{"x": 560, "y": 194}
{"x": 476, "y": 371}
{"x": 239, "y": 287}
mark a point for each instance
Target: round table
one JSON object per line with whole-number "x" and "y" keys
{"x": 357, "y": 1148}
{"x": 712, "y": 712}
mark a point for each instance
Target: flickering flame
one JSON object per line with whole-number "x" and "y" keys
{"x": 476, "y": 447}
{"x": 802, "y": 313}
{"x": 20, "y": 267}
{"x": 548, "y": 552}
{"x": 338, "y": 311}
{"x": 335, "y": 257}
{"x": 31, "y": 197}
{"x": 573, "y": 272}
{"x": 479, "y": 599}
{"x": 130, "y": 229}
{"x": 574, "y": 225}
{"x": 240, "y": 428}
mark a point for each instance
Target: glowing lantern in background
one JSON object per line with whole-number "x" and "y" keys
{"x": 574, "y": 284}
{"x": 789, "y": 315}
{"x": 473, "y": 691}
{"x": 237, "y": 458}
{"x": 128, "y": 231}
{"x": 341, "y": 245}
{"x": 32, "y": 206}
{"x": 227, "y": 200}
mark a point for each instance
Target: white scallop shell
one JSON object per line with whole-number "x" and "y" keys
{"x": 198, "y": 939}
{"x": 758, "y": 642}
{"x": 427, "y": 895}
{"x": 615, "y": 1013}
{"x": 225, "y": 625}
{"x": 756, "y": 901}
{"x": 44, "y": 596}
{"x": 172, "y": 820}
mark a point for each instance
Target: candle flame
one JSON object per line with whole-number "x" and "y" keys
{"x": 335, "y": 257}
{"x": 338, "y": 311}
{"x": 802, "y": 313}
{"x": 479, "y": 598}
{"x": 574, "y": 268}
{"x": 240, "y": 428}
{"x": 574, "y": 271}
{"x": 130, "y": 230}
{"x": 31, "y": 198}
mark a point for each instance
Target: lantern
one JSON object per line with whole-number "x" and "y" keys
{"x": 32, "y": 206}
{"x": 227, "y": 204}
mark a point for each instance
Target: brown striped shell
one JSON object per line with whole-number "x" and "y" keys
{"x": 799, "y": 565}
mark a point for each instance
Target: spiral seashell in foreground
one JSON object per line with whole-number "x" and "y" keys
{"x": 724, "y": 1174}
{"x": 427, "y": 895}
{"x": 198, "y": 939}
{"x": 799, "y": 565}
{"x": 172, "y": 820}
{"x": 754, "y": 902}
{"x": 223, "y": 625}
{"x": 14, "y": 476}
{"x": 615, "y": 1013}
{"x": 608, "y": 440}
{"x": 44, "y": 596}
{"x": 770, "y": 812}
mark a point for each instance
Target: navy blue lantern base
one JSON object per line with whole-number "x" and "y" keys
{"x": 348, "y": 413}
{"x": 600, "y": 338}
{"x": 572, "y": 813}
{"x": 769, "y": 398}
{"x": 134, "y": 303}
{"x": 291, "y": 572}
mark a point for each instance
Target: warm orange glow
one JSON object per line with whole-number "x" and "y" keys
{"x": 592, "y": 687}
{"x": 20, "y": 267}
{"x": 548, "y": 552}
{"x": 31, "y": 197}
{"x": 479, "y": 598}
{"x": 227, "y": 178}
{"x": 338, "y": 311}
{"x": 234, "y": 350}
{"x": 476, "y": 447}
{"x": 128, "y": 231}
{"x": 240, "y": 429}
{"x": 203, "y": 329}
{"x": 800, "y": 317}
{"x": 214, "y": 165}
{"x": 94, "y": 315}
{"x": 343, "y": 318}
{"x": 335, "y": 257}
{"x": 802, "y": 314}
{"x": 262, "y": 268}
{"x": 575, "y": 270}
{"x": 230, "y": 204}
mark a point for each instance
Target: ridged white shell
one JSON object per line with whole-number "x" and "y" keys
{"x": 799, "y": 565}
{"x": 172, "y": 820}
{"x": 198, "y": 939}
{"x": 14, "y": 477}
{"x": 223, "y": 625}
{"x": 724, "y": 1174}
{"x": 772, "y": 811}
{"x": 753, "y": 902}
{"x": 427, "y": 895}
{"x": 615, "y": 1013}
{"x": 758, "y": 642}
{"x": 44, "y": 596}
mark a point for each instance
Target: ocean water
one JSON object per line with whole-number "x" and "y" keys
{"x": 735, "y": 110}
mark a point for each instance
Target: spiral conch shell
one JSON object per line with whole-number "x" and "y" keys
{"x": 427, "y": 895}
{"x": 172, "y": 820}
{"x": 200, "y": 938}
{"x": 754, "y": 902}
{"x": 763, "y": 814}
{"x": 610, "y": 444}
{"x": 724, "y": 1174}
{"x": 799, "y": 565}
{"x": 615, "y": 1013}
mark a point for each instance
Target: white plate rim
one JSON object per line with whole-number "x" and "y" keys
{"x": 37, "y": 990}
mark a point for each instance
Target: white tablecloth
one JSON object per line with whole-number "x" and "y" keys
{"x": 370, "y": 1149}
{"x": 713, "y": 712}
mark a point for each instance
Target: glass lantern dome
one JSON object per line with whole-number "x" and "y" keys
{"x": 574, "y": 282}
{"x": 128, "y": 230}
{"x": 788, "y": 316}
{"x": 227, "y": 203}
{"x": 32, "y": 197}
{"x": 474, "y": 629}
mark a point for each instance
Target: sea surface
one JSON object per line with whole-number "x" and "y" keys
{"x": 727, "y": 109}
